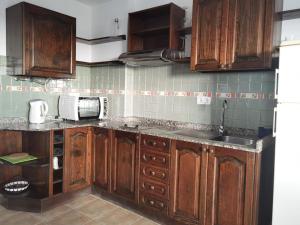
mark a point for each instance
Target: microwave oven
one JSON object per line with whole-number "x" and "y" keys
{"x": 79, "y": 108}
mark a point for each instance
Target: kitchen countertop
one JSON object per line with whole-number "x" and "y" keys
{"x": 160, "y": 128}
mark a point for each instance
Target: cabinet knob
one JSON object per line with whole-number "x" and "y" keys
{"x": 229, "y": 66}
{"x": 152, "y": 187}
{"x": 164, "y": 144}
{"x": 151, "y": 202}
{"x": 222, "y": 66}
{"x": 153, "y": 173}
{"x": 211, "y": 151}
{"x": 154, "y": 158}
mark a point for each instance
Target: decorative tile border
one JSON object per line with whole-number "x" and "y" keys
{"x": 60, "y": 90}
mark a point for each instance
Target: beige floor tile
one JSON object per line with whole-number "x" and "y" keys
{"x": 80, "y": 201}
{"x": 18, "y": 218}
{"x": 116, "y": 217}
{"x": 71, "y": 218}
{"x": 96, "y": 208}
{"x": 144, "y": 221}
{"x": 53, "y": 213}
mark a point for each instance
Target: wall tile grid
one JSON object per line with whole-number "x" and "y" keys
{"x": 166, "y": 92}
{"x": 170, "y": 92}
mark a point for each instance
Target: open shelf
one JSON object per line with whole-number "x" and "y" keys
{"x": 103, "y": 63}
{"x": 58, "y": 151}
{"x": 152, "y": 31}
{"x": 101, "y": 40}
{"x": 185, "y": 31}
{"x": 34, "y": 163}
{"x": 289, "y": 14}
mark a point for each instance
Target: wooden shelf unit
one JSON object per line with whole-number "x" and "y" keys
{"x": 289, "y": 14}
{"x": 36, "y": 172}
{"x": 101, "y": 40}
{"x": 57, "y": 174}
{"x": 155, "y": 28}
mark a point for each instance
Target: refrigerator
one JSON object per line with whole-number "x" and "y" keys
{"x": 286, "y": 130}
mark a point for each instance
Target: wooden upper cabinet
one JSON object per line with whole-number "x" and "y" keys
{"x": 40, "y": 42}
{"x": 206, "y": 35}
{"x": 252, "y": 40}
{"x": 124, "y": 165}
{"x": 77, "y": 159}
{"x": 102, "y": 153}
{"x": 230, "y": 187}
{"x": 186, "y": 195}
{"x": 234, "y": 34}
{"x": 155, "y": 28}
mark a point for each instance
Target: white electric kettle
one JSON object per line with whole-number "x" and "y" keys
{"x": 37, "y": 111}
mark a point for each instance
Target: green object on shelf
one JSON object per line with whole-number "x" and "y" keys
{"x": 14, "y": 160}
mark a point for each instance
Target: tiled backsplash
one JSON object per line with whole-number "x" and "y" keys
{"x": 170, "y": 92}
{"x": 166, "y": 92}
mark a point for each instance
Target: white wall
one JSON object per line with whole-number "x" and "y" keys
{"x": 82, "y": 12}
{"x": 291, "y": 28}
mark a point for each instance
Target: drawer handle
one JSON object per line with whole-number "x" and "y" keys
{"x": 151, "y": 143}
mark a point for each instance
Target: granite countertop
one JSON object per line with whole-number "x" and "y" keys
{"x": 160, "y": 128}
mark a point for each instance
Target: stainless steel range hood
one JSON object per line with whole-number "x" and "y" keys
{"x": 151, "y": 58}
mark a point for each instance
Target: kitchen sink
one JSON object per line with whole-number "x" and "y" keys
{"x": 236, "y": 140}
{"x": 195, "y": 133}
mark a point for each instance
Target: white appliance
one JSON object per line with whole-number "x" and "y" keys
{"x": 38, "y": 110}
{"x": 286, "y": 130}
{"x": 79, "y": 108}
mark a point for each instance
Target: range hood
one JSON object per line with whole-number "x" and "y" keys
{"x": 151, "y": 57}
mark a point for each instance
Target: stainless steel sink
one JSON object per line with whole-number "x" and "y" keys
{"x": 236, "y": 140}
{"x": 195, "y": 133}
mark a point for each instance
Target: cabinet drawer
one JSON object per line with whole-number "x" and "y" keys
{"x": 161, "y": 175}
{"x": 156, "y": 159}
{"x": 150, "y": 187}
{"x": 154, "y": 203}
{"x": 155, "y": 143}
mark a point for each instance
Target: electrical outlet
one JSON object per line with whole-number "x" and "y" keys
{"x": 203, "y": 100}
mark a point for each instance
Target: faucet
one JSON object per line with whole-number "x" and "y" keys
{"x": 221, "y": 127}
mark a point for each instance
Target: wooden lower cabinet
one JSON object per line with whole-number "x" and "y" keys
{"x": 125, "y": 165}
{"x": 77, "y": 159}
{"x": 186, "y": 196}
{"x": 102, "y": 154}
{"x": 230, "y": 187}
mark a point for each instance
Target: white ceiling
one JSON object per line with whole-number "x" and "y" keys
{"x": 92, "y": 2}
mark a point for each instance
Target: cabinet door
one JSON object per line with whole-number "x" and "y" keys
{"x": 50, "y": 43}
{"x": 186, "y": 197}
{"x": 102, "y": 158}
{"x": 251, "y": 30}
{"x": 124, "y": 165}
{"x": 206, "y": 35}
{"x": 77, "y": 160}
{"x": 230, "y": 187}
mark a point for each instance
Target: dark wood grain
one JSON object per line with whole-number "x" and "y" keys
{"x": 186, "y": 182}
{"x": 234, "y": 35}
{"x": 11, "y": 142}
{"x": 230, "y": 187}
{"x": 155, "y": 28}
{"x": 102, "y": 158}
{"x": 101, "y": 40}
{"x": 78, "y": 159}
{"x": 124, "y": 163}
{"x": 44, "y": 41}
{"x": 206, "y": 35}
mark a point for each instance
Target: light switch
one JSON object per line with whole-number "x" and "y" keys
{"x": 203, "y": 100}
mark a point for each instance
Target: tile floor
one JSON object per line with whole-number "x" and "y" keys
{"x": 84, "y": 210}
